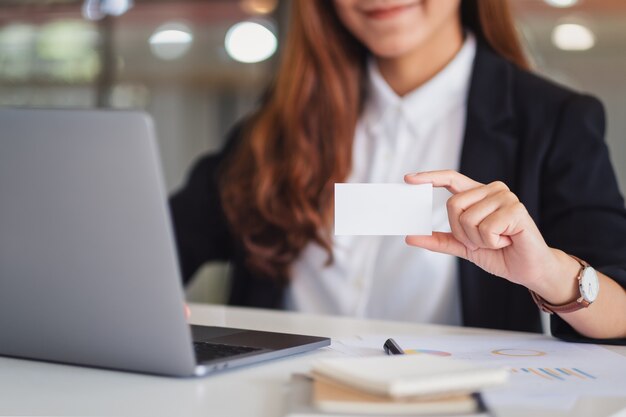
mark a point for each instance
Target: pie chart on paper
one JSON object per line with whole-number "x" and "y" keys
{"x": 426, "y": 352}
{"x": 518, "y": 352}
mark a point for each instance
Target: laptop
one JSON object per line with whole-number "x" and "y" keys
{"x": 88, "y": 268}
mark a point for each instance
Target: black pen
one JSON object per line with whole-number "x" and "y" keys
{"x": 392, "y": 348}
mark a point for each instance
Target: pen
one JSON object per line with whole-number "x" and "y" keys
{"x": 392, "y": 348}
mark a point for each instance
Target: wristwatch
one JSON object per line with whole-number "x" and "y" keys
{"x": 588, "y": 284}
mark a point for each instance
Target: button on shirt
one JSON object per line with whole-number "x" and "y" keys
{"x": 380, "y": 276}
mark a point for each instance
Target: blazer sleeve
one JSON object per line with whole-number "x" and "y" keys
{"x": 200, "y": 226}
{"x": 582, "y": 210}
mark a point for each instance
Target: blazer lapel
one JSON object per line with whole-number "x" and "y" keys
{"x": 489, "y": 139}
{"x": 489, "y": 153}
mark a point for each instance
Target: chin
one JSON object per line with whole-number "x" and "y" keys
{"x": 392, "y": 48}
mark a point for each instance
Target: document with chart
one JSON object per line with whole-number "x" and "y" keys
{"x": 544, "y": 372}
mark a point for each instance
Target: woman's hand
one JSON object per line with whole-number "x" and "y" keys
{"x": 491, "y": 228}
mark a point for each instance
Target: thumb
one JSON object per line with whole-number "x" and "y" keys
{"x": 439, "y": 242}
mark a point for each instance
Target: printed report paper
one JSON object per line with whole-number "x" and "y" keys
{"x": 545, "y": 373}
{"x": 383, "y": 209}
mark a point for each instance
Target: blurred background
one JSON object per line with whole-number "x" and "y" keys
{"x": 190, "y": 64}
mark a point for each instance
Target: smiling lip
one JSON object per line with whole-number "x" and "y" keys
{"x": 388, "y": 12}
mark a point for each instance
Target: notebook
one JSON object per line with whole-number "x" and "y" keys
{"x": 403, "y": 376}
{"x": 309, "y": 398}
{"x": 331, "y": 397}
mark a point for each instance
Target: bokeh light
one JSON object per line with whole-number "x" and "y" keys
{"x": 250, "y": 42}
{"x": 562, "y": 3}
{"x": 573, "y": 37}
{"x": 171, "y": 41}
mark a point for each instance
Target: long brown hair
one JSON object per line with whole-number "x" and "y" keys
{"x": 277, "y": 185}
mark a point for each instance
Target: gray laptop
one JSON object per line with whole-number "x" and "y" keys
{"x": 88, "y": 268}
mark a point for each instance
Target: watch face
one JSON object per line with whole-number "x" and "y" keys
{"x": 589, "y": 285}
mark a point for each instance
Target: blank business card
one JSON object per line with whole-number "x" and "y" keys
{"x": 383, "y": 209}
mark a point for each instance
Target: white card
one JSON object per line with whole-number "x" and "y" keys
{"x": 383, "y": 209}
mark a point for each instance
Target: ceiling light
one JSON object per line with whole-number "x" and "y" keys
{"x": 171, "y": 41}
{"x": 250, "y": 42}
{"x": 573, "y": 37}
{"x": 561, "y": 3}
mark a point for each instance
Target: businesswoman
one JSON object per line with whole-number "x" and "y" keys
{"x": 371, "y": 90}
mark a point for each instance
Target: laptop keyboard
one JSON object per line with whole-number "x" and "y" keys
{"x": 206, "y": 351}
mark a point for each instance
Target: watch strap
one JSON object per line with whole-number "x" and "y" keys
{"x": 562, "y": 308}
{"x": 570, "y": 307}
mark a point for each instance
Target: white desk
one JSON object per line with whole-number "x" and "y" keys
{"x": 33, "y": 388}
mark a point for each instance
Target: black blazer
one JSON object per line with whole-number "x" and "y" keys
{"x": 544, "y": 141}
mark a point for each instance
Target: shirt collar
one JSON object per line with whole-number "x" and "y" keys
{"x": 447, "y": 89}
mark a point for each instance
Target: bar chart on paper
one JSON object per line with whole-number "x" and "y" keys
{"x": 555, "y": 374}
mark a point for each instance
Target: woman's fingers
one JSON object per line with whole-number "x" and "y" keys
{"x": 455, "y": 183}
{"x": 504, "y": 223}
{"x": 450, "y": 180}
{"x": 473, "y": 218}
{"x": 480, "y": 216}
{"x": 490, "y": 227}
{"x": 439, "y": 242}
{"x": 464, "y": 215}
{"x": 491, "y": 222}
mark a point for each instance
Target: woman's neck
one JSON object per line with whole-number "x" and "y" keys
{"x": 409, "y": 71}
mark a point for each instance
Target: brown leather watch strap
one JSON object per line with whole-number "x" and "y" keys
{"x": 570, "y": 307}
{"x": 563, "y": 308}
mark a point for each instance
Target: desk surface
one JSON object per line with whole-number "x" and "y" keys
{"x": 34, "y": 388}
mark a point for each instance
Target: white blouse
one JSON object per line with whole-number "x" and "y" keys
{"x": 380, "y": 276}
